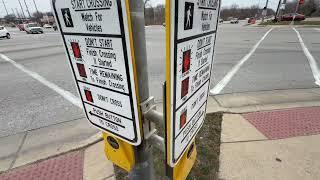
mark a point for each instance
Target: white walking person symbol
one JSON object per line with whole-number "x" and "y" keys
{"x": 188, "y": 17}
{"x": 66, "y": 16}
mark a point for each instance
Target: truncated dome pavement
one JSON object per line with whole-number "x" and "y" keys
{"x": 65, "y": 167}
{"x": 289, "y": 123}
{"x": 278, "y": 124}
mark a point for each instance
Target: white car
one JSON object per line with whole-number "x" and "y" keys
{"x": 234, "y": 21}
{"x": 4, "y": 32}
{"x": 32, "y": 28}
{"x": 47, "y": 26}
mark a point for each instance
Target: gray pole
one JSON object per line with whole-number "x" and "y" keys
{"x": 18, "y": 13}
{"x": 143, "y": 169}
{"x": 24, "y": 16}
{"x": 5, "y": 7}
{"x": 278, "y": 10}
{"x": 266, "y": 8}
{"x": 294, "y": 16}
{"x": 35, "y": 5}
{"x": 27, "y": 8}
{"x": 13, "y": 12}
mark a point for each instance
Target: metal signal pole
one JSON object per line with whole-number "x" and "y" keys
{"x": 265, "y": 10}
{"x": 5, "y": 7}
{"x": 27, "y": 8}
{"x": 19, "y": 16}
{"x": 143, "y": 169}
{"x": 24, "y": 16}
{"x": 13, "y": 12}
{"x": 35, "y": 5}
{"x": 294, "y": 16}
{"x": 278, "y": 10}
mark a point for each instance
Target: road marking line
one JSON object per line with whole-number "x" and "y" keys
{"x": 226, "y": 79}
{"x": 66, "y": 94}
{"x": 312, "y": 61}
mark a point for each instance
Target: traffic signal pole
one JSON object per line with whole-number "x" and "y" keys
{"x": 266, "y": 11}
{"x": 5, "y": 7}
{"x": 278, "y": 11}
{"x": 143, "y": 169}
{"x": 296, "y": 10}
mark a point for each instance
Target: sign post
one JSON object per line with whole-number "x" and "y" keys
{"x": 107, "y": 60}
{"x": 191, "y": 35}
{"x": 100, "y": 47}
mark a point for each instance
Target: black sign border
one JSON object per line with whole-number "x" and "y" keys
{"x": 123, "y": 37}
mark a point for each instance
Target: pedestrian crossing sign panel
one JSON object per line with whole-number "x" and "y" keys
{"x": 191, "y": 27}
{"x": 98, "y": 43}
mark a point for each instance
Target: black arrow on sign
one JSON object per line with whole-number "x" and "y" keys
{"x": 106, "y": 120}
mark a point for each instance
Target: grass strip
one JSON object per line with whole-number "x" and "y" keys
{"x": 208, "y": 147}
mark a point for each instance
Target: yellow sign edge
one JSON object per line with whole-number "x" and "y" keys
{"x": 134, "y": 66}
{"x": 168, "y": 78}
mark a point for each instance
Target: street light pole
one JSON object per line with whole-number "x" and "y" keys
{"x": 27, "y": 8}
{"x": 265, "y": 10}
{"x": 294, "y": 16}
{"x": 5, "y": 7}
{"x": 18, "y": 14}
{"x": 278, "y": 10}
{"x": 35, "y": 5}
{"x": 13, "y": 12}
{"x": 143, "y": 169}
{"x": 24, "y": 16}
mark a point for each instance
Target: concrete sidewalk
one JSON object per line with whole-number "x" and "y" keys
{"x": 249, "y": 154}
{"x": 28, "y": 147}
{"x": 243, "y": 149}
{"x": 89, "y": 163}
{"x": 70, "y": 150}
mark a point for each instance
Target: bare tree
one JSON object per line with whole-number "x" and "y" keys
{"x": 242, "y": 12}
{"x": 310, "y": 8}
{"x": 10, "y": 18}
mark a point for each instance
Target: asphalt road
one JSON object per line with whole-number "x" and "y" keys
{"x": 278, "y": 63}
{"x": 25, "y": 103}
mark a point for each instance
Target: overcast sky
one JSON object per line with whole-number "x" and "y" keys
{"x": 44, "y": 5}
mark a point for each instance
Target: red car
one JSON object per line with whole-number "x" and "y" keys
{"x": 289, "y": 17}
{"x": 21, "y": 27}
{"x": 252, "y": 20}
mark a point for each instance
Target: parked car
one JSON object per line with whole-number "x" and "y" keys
{"x": 32, "y": 28}
{"x": 47, "y": 26}
{"x": 21, "y": 27}
{"x": 252, "y": 20}
{"x": 4, "y": 33}
{"x": 220, "y": 20}
{"x": 289, "y": 17}
{"x": 234, "y": 21}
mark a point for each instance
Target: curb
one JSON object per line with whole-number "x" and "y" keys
{"x": 46, "y": 142}
{"x": 66, "y": 148}
{"x": 83, "y": 144}
{"x": 264, "y": 101}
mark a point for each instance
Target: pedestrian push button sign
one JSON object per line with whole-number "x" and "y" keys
{"x": 96, "y": 35}
{"x": 192, "y": 35}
